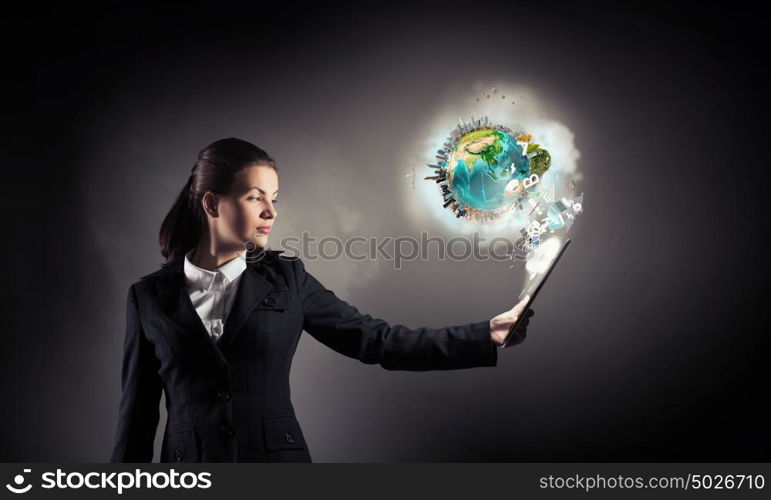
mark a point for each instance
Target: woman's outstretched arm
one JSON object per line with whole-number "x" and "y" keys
{"x": 343, "y": 328}
{"x": 141, "y": 393}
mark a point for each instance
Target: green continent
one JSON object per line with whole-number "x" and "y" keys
{"x": 541, "y": 162}
{"x": 490, "y": 153}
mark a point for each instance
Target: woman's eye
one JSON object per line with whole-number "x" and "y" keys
{"x": 258, "y": 199}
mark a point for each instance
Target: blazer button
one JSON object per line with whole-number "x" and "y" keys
{"x": 226, "y": 429}
{"x": 289, "y": 438}
{"x": 269, "y": 301}
{"x": 179, "y": 455}
{"x": 224, "y": 395}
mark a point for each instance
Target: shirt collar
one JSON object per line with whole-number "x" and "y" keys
{"x": 203, "y": 278}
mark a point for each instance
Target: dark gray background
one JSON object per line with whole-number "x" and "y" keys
{"x": 647, "y": 345}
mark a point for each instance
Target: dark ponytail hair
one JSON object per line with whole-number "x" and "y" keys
{"x": 215, "y": 171}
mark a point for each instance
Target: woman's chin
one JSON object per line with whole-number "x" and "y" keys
{"x": 255, "y": 244}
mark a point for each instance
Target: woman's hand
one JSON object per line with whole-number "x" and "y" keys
{"x": 500, "y": 325}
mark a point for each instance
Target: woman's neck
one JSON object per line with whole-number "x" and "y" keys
{"x": 209, "y": 258}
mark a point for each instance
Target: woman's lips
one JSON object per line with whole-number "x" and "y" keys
{"x": 264, "y": 230}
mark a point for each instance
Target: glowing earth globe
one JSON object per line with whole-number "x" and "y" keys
{"x": 481, "y": 167}
{"x": 485, "y": 169}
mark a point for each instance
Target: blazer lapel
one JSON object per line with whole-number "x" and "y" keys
{"x": 173, "y": 299}
{"x": 252, "y": 288}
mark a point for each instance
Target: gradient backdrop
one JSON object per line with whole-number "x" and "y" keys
{"x": 649, "y": 342}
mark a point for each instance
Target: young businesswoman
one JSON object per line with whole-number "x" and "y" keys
{"x": 216, "y": 327}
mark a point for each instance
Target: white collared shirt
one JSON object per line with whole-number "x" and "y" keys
{"x": 213, "y": 292}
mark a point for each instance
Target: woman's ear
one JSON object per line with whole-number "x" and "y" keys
{"x": 210, "y": 202}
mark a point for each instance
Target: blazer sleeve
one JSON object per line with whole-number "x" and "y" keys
{"x": 341, "y": 326}
{"x": 141, "y": 385}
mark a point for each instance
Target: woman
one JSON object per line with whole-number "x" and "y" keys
{"x": 217, "y": 326}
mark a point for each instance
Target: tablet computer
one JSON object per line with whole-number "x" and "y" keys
{"x": 533, "y": 289}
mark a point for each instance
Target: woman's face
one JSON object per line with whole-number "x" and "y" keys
{"x": 248, "y": 213}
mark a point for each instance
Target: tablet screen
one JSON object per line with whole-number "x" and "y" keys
{"x": 540, "y": 265}
{"x": 543, "y": 264}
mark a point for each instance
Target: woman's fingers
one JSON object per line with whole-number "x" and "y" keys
{"x": 526, "y": 320}
{"x": 520, "y": 306}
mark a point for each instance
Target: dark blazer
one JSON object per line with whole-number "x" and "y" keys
{"x": 229, "y": 400}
